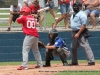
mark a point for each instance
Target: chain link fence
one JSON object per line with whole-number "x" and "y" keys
{"x": 48, "y": 19}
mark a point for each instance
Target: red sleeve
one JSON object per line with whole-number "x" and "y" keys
{"x": 20, "y": 20}
{"x": 39, "y": 7}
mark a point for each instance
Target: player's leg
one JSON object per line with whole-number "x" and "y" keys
{"x": 62, "y": 56}
{"x": 27, "y": 43}
{"x": 48, "y": 58}
{"x": 87, "y": 49}
{"x": 36, "y": 53}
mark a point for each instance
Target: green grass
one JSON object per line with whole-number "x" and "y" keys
{"x": 79, "y": 73}
{"x": 34, "y": 62}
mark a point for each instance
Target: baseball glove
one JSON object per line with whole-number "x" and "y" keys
{"x": 40, "y": 45}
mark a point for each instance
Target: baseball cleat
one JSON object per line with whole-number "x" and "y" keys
{"x": 91, "y": 63}
{"x": 22, "y": 68}
{"x": 38, "y": 66}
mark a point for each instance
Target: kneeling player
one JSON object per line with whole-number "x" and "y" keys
{"x": 57, "y": 47}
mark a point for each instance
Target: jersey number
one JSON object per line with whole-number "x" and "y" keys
{"x": 30, "y": 24}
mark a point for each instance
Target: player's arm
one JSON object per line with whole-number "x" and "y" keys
{"x": 50, "y": 47}
{"x": 19, "y": 20}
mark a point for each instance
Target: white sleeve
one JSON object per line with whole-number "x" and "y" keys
{"x": 11, "y": 7}
{"x": 20, "y": 6}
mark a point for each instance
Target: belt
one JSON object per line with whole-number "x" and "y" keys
{"x": 75, "y": 31}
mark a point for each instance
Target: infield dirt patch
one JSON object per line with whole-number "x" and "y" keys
{"x": 12, "y": 70}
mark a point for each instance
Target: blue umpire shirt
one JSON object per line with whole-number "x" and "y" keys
{"x": 78, "y": 20}
{"x": 59, "y": 43}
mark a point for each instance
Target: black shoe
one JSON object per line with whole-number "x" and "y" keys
{"x": 46, "y": 65}
{"x": 73, "y": 64}
{"x": 65, "y": 64}
{"x": 8, "y": 29}
{"x": 91, "y": 63}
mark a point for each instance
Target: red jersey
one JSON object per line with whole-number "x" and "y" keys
{"x": 34, "y": 9}
{"x": 28, "y": 25}
{"x": 64, "y": 2}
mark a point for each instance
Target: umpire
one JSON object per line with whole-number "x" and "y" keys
{"x": 80, "y": 35}
{"x": 57, "y": 47}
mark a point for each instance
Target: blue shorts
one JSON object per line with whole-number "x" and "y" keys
{"x": 64, "y": 8}
{"x": 96, "y": 12}
{"x": 50, "y": 5}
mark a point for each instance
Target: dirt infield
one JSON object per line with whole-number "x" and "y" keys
{"x": 12, "y": 70}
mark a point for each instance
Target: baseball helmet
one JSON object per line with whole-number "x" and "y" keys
{"x": 25, "y": 10}
{"x": 53, "y": 31}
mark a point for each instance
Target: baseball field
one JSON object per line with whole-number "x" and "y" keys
{"x": 10, "y": 68}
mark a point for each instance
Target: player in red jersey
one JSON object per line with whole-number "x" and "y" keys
{"x": 31, "y": 37}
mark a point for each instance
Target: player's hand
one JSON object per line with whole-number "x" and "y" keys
{"x": 76, "y": 36}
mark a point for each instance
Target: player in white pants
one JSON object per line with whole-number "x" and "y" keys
{"x": 31, "y": 38}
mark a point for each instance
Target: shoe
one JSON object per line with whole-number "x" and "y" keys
{"x": 38, "y": 66}
{"x": 65, "y": 64}
{"x": 46, "y": 65}
{"x": 73, "y": 64}
{"x": 22, "y": 68}
{"x": 8, "y": 29}
{"x": 91, "y": 63}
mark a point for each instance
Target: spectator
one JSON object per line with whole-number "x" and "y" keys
{"x": 92, "y": 10}
{"x": 65, "y": 9}
{"x": 27, "y": 2}
{"x": 35, "y": 7}
{"x": 50, "y": 4}
{"x": 14, "y": 14}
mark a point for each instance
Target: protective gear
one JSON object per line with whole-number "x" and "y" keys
{"x": 62, "y": 56}
{"x": 40, "y": 45}
{"x": 49, "y": 57}
{"x": 54, "y": 32}
{"x": 76, "y": 7}
{"x": 64, "y": 50}
{"x": 25, "y": 11}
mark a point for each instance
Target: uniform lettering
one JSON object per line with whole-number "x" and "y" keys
{"x": 30, "y": 24}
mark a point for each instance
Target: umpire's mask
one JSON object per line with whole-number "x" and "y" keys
{"x": 77, "y": 6}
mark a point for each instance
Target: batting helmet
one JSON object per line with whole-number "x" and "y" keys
{"x": 53, "y": 31}
{"x": 25, "y": 10}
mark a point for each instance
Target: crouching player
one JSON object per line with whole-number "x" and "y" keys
{"x": 56, "y": 46}
{"x": 31, "y": 38}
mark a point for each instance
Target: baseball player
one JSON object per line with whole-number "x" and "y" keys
{"x": 31, "y": 38}
{"x": 57, "y": 47}
{"x": 79, "y": 38}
